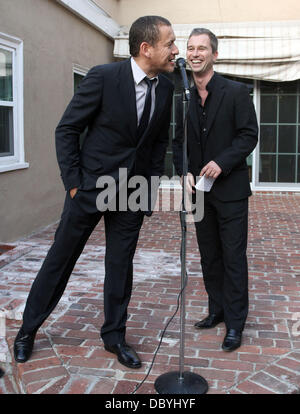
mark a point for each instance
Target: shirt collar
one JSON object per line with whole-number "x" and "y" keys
{"x": 138, "y": 73}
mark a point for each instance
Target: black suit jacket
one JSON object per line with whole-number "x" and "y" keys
{"x": 231, "y": 135}
{"x": 105, "y": 102}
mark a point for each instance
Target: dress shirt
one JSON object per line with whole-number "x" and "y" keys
{"x": 141, "y": 89}
{"x": 203, "y": 110}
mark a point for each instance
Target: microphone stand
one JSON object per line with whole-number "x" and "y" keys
{"x": 182, "y": 382}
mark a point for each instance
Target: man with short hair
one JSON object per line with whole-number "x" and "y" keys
{"x": 126, "y": 107}
{"x": 222, "y": 132}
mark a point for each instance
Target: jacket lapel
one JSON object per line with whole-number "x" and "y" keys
{"x": 216, "y": 99}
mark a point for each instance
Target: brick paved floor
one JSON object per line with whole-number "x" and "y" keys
{"x": 68, "y": 357}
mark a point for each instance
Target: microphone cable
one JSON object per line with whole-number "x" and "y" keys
{"x": 163, "y": 333}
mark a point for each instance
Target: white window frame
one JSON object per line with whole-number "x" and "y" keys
{"x": 256, "y": 185}
{"x": 80, "y": 70}
{"x": 17, "y": 160}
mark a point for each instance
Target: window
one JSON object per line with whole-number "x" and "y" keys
{"x": 11, "y": 104}
{"x": 6, "y": 109}
{"x": 279, "y": 150}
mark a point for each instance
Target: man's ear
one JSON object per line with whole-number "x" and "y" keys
{"x": 216, "y": 54}
{"x": 145, "y": 50}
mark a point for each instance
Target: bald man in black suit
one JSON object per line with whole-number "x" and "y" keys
{"x": 126, "y": 107}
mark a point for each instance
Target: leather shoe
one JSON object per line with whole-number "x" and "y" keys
{"x": 232, "y": 340}
{"x": 126, "y": 355}
{"x": 23, "y": 346}
{"x": 210, "y": 321}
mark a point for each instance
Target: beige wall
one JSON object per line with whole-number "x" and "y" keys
{"x": 199, "y": 11}
{"x": 54, "y": 40}
{"x": 111, "y": 7}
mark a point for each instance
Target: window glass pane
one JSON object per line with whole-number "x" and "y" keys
{"x": 286, "y": 168}
{"x": 288, "y": 87}
{"x": 6, "y": 89}
{"x": 268, "y": 109}
{"x": 267, "y": 138}
{"x": 287, "y": 138}
{"x": 267, "y": 168}
{"x": 249, "y": 164}
{"x": 288, "y": 108}
{"x": 6, "y": 131}
{"x": 77, "y": 79}
{"x": 169, "y": 148}
{"x": 169, "y": 171}
{"x": 268, "y": 87}
{"x": 278, "y": 87}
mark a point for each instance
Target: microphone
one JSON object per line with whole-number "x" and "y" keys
{"x": 180, "y": 64}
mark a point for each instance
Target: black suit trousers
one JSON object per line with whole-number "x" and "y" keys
{"x": 222, "y": 240}
{"x": 78, "y": 220}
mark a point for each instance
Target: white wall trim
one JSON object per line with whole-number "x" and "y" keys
{"x": 14, "y": 166}
{"x": 79, "y": 69}
{"x": 17, "y": 160}
{"x": 276, "y": 187}
{"x": 94, "y": 15}
{"x": 10, "y": 41}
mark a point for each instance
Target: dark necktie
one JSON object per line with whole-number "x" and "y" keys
{"x": 147, "y": 108}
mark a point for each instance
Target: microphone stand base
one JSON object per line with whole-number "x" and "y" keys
{"x": 171, "y": 383}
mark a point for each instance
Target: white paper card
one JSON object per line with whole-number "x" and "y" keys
{"x": 205, "y": 183}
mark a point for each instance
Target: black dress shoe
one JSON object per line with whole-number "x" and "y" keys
{"x": 23, "y": 346}
{"x": 232, "y": 340}
{"x": 126, "y": 355}
{"x": 210, "y": 321}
